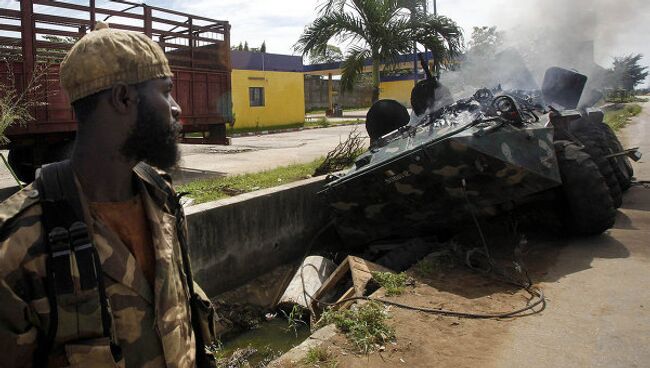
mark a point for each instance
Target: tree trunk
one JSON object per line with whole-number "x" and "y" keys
{"x": 375, "y": 79}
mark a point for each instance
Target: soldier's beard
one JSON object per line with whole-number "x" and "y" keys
{"x": 153, "y": 140}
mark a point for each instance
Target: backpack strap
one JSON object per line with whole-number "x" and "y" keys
{"x": 151, "y": 176}
{"x": 79, "y": 307}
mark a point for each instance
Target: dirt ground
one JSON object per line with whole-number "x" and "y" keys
{"x": 598, "y": 311}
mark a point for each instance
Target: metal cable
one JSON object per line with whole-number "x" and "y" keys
{"x": 536, "y": 294}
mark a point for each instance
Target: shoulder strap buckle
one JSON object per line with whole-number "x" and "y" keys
{"x": 59, "y": 239}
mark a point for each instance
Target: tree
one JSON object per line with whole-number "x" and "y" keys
{"x": 331, "y": 54}
{"x": 627, "y": 73}
{"x": 263, "y": 47}
{"x": 485, "y": 41}
{"x": 379, "y": 30}
{"x": 245, "y": 45}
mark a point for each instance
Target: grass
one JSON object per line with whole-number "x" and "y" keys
{"x": 320, "y": 357}
{"x": 625, "y": 99}
{"x": 393, "y": 283}
{"x": 322, "y": 110}
{"x": 434, "y": 262}
{"x": 258, "y": 129}
{"x": 364, "y": 325}
{"x": 216, "y": 188}
{"x": 617, "y": 119}
{"x": 323, "y": 123}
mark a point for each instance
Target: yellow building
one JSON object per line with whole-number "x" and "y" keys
{"x": 391, "y": 87}
{"x": 399, "y": 90}
{"x": 267, "y": 89}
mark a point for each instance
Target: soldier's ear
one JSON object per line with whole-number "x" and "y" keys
{"x": 124, "y": 98}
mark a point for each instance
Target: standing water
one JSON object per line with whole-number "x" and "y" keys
{"x": 272, "y": 338}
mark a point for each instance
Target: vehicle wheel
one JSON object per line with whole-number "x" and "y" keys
{"x": 596, "y": 146}
{"x": 21, "y": 161}
{"x": 385, "y": 116}
{"x": 621, "y": 164}
{"x": 590, "y": 209}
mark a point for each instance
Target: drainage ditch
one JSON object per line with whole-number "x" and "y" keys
{"x": 258, "y": 334}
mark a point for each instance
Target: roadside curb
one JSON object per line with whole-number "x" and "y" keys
{"x": 288, "y": 130}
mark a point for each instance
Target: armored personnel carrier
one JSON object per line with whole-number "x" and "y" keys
{"x": 483, "y": 156}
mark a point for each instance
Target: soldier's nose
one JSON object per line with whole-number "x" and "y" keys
{"x": 176, "y": 112}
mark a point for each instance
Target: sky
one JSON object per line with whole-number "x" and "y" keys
{"x": 622, "y": 29}
{"x": 625, "y": 30}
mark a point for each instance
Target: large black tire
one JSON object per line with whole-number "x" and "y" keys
{"x": 588, "y": 205}
{"x": 595, "y": 144}
{"x": 621, "y": 164}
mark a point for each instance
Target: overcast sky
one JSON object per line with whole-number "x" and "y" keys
{"x": 624, "y": 25}
{"x": 280, "y": 23}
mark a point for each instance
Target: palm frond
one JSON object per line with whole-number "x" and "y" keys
{"x": 352, "y": 66}
{"x": 338, "y": 24}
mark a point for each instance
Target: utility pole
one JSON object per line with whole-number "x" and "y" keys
{"x": 435, "y": 8}
{"x": 415, "y": 47}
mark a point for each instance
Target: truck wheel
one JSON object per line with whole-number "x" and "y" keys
{"x": 595, "y": 145}
{"x": 621, "y": 164}
{"x": 586, "y": 197}
{"x": 21, "y": 159}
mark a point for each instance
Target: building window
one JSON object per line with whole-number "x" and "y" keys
{"x": 256, "y": 96}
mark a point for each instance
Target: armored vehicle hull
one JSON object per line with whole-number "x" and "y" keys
{"x": 482, "y": 156}
{"x": 427, "y": 178}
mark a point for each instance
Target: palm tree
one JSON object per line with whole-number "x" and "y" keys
{"x": 379, "y": 30}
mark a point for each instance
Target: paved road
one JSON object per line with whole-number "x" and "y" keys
{"x": 246, "y": 154}
{"x": 599, "y": 308}
{"x": 637, "y": 134}
{"x": 251, "y": 154}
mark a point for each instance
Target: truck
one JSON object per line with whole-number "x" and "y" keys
{"x": 36, "y": 34}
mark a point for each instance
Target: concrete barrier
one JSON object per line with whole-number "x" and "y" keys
{"x": 237, "y": 239}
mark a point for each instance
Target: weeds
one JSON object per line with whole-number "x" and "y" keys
{"x": 364, "y": 325}
{"x": 244, "y": 358}
{"x": 434, "y": 262}
{"x": 320, "y": 357}
{"x": 617, "y": 119}
{"x": 393, "y": 283}
{"x": 294, "y": 319}
{"x": 16, "y": 107}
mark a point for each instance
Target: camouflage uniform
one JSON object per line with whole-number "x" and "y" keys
{"x": 152, "y": 326}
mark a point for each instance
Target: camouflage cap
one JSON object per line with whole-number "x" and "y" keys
{"x": 107, "y": 56}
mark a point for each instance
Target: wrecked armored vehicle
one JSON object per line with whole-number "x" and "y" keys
{"x": 483, "y": 156}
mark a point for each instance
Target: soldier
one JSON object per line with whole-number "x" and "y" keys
{"x": 93, "y": 264}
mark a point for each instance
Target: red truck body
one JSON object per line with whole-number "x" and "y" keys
{"x": 39, "y": 32}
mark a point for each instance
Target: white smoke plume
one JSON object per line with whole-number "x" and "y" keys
{"x": 573, "y": 34}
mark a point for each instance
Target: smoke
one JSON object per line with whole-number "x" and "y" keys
{"x": 571, "y": 34}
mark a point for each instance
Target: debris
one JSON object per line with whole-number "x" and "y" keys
{"x": 360, "y": 274}
{"x": 309, "y": 277}
{"x": 343, "y": 155}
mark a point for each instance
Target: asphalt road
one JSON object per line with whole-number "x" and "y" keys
{"x": 257, "y": 153}
{"x": 244, "y": 155}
